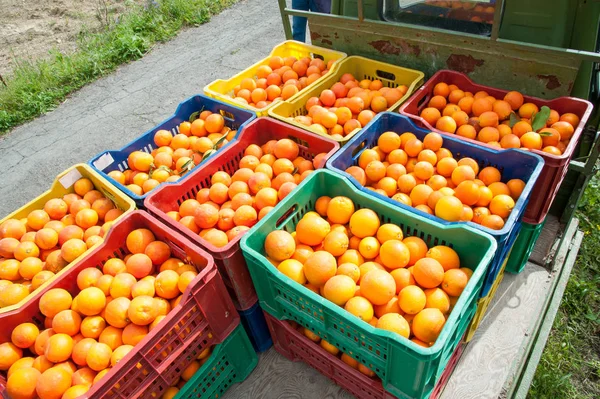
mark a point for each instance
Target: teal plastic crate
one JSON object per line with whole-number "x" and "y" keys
{"x": 523, "y": 247}
{"x": 406, "y": 369}
{"x": 231, "y": 362}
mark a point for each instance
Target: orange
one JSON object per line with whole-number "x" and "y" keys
{"x": 349, "y": 269}
{"x": 388, "y": 232}
{"x": 412, "y": 299}
{"x": 494, "y": 222}
{"x": 394, "y": 322}
{"x": 24, "y": 335}
{"x": 394, "y": 254}
{"x": 336, "y": 243}
{"x": 416, "y": 247}
{"x": 53, "y": 383}
{"x": 115, "y": 312}
{"x": 76, "y": 391}
{"x": 340, "y": 210}
{"x": 9, "y": 354}
{"x": 320, "y": 267}
{"x": 138, "y": 240}
{"x": 516, "y": 187}
{"x": 92, "y": 326}
{"x": 166, "y": 284}
{"x": 467, "y": 192}
{"x": 339, "y": 289}
{"x": 378, "y": 286}
{"x": 312, "y": 230}
{"x": 446, "y": 256}
{"x": 390, "y": 307}
{"x": 121, "y": 285}
{"x": 114, "y": 266}
{"x": 67, "y": 322}
{"x": 499, "y": 188}
{"x": 54, "y": 301}
{"x": 59, "y": 348}
{"x": 565, "y": 129}
{"x": 111, "y": 336}
{"x": 427, "y": 324}
{"x": 403, "y": 278}
{"x": 133, "y": 334}
{"x": 481, "y": 105}
{"x": 455, "y": 281}
{"x": 293, "y": 269}
{"x": 428, "y": 273}
{"x": 532, "y": 141}
{"x": 98, "y": 356}
{"x": 449, "y": 208}
{"x": 515, "y": 99}
{"x": 364, "y": 222}
{"x": 502, "y": 205}
{"x": 441, "y": 89}
{"x": 527, "y": 110}
{"x": 21, "y": 383}
{"x": 438, "y": 299}
{"x": 431, "y": 115}
{"x": 360, "y": 307}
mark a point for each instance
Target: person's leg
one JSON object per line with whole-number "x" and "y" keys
{"x": 299, "y": 23}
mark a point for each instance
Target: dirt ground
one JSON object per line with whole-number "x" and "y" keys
{"x": 29, "y": 29}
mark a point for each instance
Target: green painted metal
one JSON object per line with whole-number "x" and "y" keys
{"x": 350, "y": 8}
{"x": 539, "y": 21}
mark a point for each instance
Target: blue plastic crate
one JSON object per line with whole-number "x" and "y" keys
{"x": 512, "y": 163}
{"x": 107, "y": 161}
{"x": 256, "y": 327}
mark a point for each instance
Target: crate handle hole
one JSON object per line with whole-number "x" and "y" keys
{"x": 358, "y": 150}
{"x": 286, "y": 216}
{"x": 423, "y": 101}
{"x": 385, "y": 75}
{"x": 315, "y": 55}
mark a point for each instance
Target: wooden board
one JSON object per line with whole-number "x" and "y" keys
{"x": 542, "y": 252}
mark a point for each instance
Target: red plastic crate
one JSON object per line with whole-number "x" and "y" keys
{"x": 555, "y": 166}
{"x": 229, "y": 259}
{"x": 204, "y": 317}
{"x": 296, "y": 347}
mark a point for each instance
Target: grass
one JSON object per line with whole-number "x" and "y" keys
{"x": 37, "y": 87}
{"x": 570, "y": 365}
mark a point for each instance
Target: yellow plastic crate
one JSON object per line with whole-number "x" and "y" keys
{"x": 484, "y": 303}
{"x": 222, "y": 89}
{"x": 361, "y": 68}
{"x": 63, "y": 184}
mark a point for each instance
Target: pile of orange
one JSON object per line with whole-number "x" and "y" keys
{"x": 234, "y": 203}
{"x": 187, "y": 374}
{"x": 348, "y": 105}
{"x": 279, "y": 79}
{"x": 426, "y": 176}
{"x": 370, "y": 269}
{"x": 35, "y": 248}
{"x": 174, "y": 155}
{"x": 85, "y": 335}
{"x": 484, "y": 118}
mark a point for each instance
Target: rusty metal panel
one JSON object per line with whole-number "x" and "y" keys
{"x": 539, "y": 72}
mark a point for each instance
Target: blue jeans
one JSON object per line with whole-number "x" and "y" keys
{"x": 299, "y": 23}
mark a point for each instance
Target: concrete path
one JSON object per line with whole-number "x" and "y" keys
{"x": 114, "y": 110}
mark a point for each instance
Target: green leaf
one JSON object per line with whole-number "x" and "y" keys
{"x": 540, "y": 118}
{"x": 207, "y": 154}
{"x": 514, "y": 119}
{"x": 194, "y": 116}
{"x": 220, "y": 141}
{"x": 189, "y": 165}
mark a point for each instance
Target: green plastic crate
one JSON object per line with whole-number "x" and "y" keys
{"x": 523, "y": 247}
{"x": 231, "y": 362}
{"x": 406, "y": 369}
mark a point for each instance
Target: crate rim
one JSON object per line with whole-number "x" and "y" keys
{"x": 478, "y": 274}
{"x": 563, "y": 157}
{"x": 141, "y": 198}
{"x": 209, "y": 246}
{"x": 511, "y": 220}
